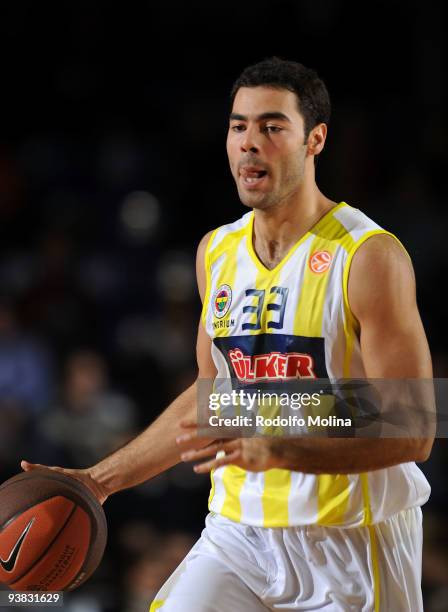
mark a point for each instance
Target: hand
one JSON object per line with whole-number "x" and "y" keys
{"x": 83, "y": 476}
{"x": 252, "y": 454}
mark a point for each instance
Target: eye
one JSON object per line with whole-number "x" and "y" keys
{"x": 273, "y": 129}
{"x": 239, "y": 127}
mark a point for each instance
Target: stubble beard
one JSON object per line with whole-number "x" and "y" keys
{"x": 277, "y": 197}
{"x": 258, "y": 201}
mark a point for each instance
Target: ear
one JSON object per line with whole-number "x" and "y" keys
{"x": 316, "y": 139}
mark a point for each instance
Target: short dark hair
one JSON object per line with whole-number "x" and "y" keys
{"x": 313, "y": 100}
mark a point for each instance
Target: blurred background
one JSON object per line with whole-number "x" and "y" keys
{"x": 113, "y": 166}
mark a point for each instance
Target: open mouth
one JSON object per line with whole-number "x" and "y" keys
{"x": 251, "y": 176}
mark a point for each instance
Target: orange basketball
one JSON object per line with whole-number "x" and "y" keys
{"x": 53, "y": 532}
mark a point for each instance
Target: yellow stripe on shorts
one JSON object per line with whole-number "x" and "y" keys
{"x": 375, "y": 568}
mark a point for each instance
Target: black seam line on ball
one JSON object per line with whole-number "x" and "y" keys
{"x": 9, "y": 564}
{"x": 48, "y": 547}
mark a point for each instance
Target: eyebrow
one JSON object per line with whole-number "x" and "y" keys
{"x": 263, "y": 117}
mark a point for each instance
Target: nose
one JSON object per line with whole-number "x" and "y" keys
{"x": 249, "y": 141}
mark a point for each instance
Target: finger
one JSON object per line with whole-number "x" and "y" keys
{"x": 27, "y": 466}
{"x": 193, "y": 440}
{"x": 231, "y": 458}
{"x": 195, "y": 454}
{"x": 185, "y": 438}
{"x": 188, "y": 423}
{"x": 210, "y": 450}
{"x": 193, "y": 444}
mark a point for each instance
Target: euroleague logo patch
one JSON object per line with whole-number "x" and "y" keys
{"x": 222, "y": 300}
{"x": 320, "y": 261}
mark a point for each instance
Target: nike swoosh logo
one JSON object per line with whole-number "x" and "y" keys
{"x": 9, "y": 563}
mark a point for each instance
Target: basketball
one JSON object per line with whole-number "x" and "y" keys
{"x": 53, "y": 532}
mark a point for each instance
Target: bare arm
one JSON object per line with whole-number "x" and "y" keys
{"x": 155, "y": 449}
{"x": 382, "y": 297}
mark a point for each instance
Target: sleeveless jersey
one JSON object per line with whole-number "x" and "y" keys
{"x": 297, "y": 314}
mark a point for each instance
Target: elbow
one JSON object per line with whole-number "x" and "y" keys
{"x": 423, "y": 450}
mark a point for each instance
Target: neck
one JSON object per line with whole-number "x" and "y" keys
{"x": 279, "y": 227}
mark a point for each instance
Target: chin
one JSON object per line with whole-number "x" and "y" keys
{"x": 259, "y": 201}
{"x": 256, "y": 204}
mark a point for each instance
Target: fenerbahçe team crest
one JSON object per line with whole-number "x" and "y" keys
{"x": 222, "y": 300}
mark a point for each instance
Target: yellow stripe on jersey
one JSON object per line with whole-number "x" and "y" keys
{"x": 205, "y": 304}
{"x": 329, "y": 236}
{"x": 310, "y": 306}
{"x": 332, "y": 498}
{"x": 156, "y": 605}
{"x": 212, "y": 489}
{"x": 233, "y": 481}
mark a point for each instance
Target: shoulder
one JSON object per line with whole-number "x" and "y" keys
{"x": 372, "y": 247}
{"x": 381, "y": 274}
{"x": 202, "y": 246}
{"x": 226, "y": 236}
{"x": 380, "y": 253}
{"x": 228, "y": 231}
{"x": 221, "y": 237}
{"x": 200, "y": 263}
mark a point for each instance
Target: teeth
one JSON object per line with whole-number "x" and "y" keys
{"x": 252, "y": 179}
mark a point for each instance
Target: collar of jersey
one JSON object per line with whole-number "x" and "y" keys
{"x": 318, "y": 225}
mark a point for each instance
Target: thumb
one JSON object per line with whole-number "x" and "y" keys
{"x": 27, "y": 466}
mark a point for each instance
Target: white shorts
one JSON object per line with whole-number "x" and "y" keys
{"x": 234, "y": 567}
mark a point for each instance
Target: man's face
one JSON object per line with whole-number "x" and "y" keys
{"x": 265, "y": 145}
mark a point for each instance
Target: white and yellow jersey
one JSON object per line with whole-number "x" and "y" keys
{"x": 294, "y": 321}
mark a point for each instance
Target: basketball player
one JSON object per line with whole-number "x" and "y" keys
{"x": 310, "y": 524}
